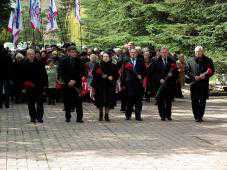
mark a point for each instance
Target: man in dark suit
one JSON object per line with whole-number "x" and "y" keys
{"x": 198, "y": 71}
{"x": 71, "y": 71}
{"x": 35, "y": 82}
{"x": 132, "y": 81}
{"x": 164, "y": 74}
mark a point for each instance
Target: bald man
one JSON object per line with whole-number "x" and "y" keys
{"x": 198, "y": 71}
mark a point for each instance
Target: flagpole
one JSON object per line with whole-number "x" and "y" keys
{"x": 42, "y": 31}
{"x": 81, "y": 38}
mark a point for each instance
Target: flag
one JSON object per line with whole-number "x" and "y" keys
{"x": 10, "y": 25}
{"x": 35, "y": 12}
{"x": 77, "y": 10}
{"x": 52, "y": 16}
{"x": 15, "y": 23}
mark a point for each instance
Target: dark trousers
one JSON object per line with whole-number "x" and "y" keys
{"x": 72, "y": 100}
{"x": 51, "y": 93}
{"x": 165, "y": 107}
{"x": 134, "y": 101}
{"x": 123, "y": 97}
{"x": 199, "y": 95}
{"x": 198, "y": 107}
{"x": 35, "y": 104}
{"x": 179, "y": 93}
{"x": 4, "y": 92}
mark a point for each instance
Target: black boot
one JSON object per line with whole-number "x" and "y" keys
{"x": 67, "y": 116}
{"x": 107, "y": 117}
{"x": 7, "y": 105}
{"x": 100, "y": 116}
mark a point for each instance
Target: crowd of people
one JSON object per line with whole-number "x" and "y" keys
{"x": 130, "y": 74}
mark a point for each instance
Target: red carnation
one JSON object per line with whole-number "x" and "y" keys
{"x": 173, "y": 66}
{"x": 86, "y": 66}
{"x": 99, "y": 71}
{"x": 28, "y": 84}
{"x": 59, "y": 85}
{"x": 129, "y": 66}
{"x": 209, "y": 71}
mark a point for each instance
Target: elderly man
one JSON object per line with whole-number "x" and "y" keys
{"x": 35, "y": 81}
{"x": 164, "y": 74}
{"x": 198, "y": 71}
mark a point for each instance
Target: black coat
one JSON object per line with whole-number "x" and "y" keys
{"x": 36, "y": 73}
{"x": 17, "y": 73}
{"x": 71, "y": 69}
{"x": 168, "y": 72}
{"x": 195, "y": 67}
{"x": 105, "y": 88}
{"x": 5, "y": 66}
{"x": 130, "y": 80}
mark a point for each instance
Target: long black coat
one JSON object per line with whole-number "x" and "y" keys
{"x": 105, "y": 88}
{"x": 195, "y": 67}
{"x": 71, "y": 69}
{"x": 5, "y": 66}
{"x": 17, "y": 72}
{"x": 168, "y": 72}
{"x": 36, "y": 73}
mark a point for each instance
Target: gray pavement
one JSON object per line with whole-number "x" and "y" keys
{"x": 119, "y": 145}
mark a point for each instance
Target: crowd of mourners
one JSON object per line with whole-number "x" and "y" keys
{"x": 130, "y": 74}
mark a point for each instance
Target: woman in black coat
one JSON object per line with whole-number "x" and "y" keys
{"x": 35, "y": 82}
{"x": 17, "y": 72}
{"x": 105, "y": 76}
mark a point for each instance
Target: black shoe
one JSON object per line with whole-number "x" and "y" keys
{"x": 139, "y": 119}
{"x": 40, "y": 121}
{"x": 163, "y": 119}
{"x": 7, "y": 106}
{"x": 128, "y": 118}
{"x": 199, "y": 120}
{"x": 169, "y": 119}
{"x": 100, "y": 116}
{"x": 80, "y": 121}
{"x": 67, "y": 120}
{"x": 107, "y": 118}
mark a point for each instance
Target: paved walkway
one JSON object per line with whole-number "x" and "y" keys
{"x": 119, "y": 145}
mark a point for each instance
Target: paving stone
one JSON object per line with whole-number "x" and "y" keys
{"x": 118, "y": 145}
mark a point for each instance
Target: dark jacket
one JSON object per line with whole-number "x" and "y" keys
{"x": 5, "y": 66}
{"x": 71, "y": 69}
{"x": 195, "y": 67}
{"x": 36, "y": 73}
{"x": 105, "y": 88}
{"x": 17, "y": 72}
{"x": 130, "y": 79}
{"x": 168, "y": 72}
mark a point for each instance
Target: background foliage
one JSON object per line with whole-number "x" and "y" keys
{"x": 177, "y": 24}
{"x": 4, "y": 15}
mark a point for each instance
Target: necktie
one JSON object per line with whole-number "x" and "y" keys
{"x": 164, "y": 62}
